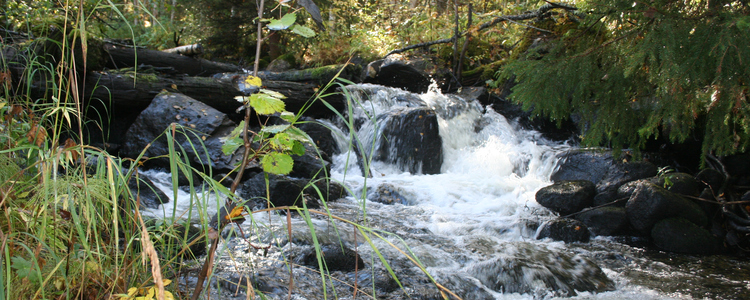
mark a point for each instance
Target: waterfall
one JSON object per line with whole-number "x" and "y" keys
{"x": 452, "y": 185}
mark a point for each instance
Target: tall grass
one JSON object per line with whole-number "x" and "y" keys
{"x": 72, "y": 229}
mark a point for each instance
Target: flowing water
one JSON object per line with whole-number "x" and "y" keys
{"x": 472, "y": 226}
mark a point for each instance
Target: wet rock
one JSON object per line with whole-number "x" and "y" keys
{"x": 682, "y": 236}
{"x": 387, "y": 193}
{"x": 650, "y": 204}
{"x": 606, "y": 221}
{"x": 411, "y": 140}
{"x": 321, "y": 137}
{"x": 566, "y": 230}
{"x": 199, "y": 123}
{"x": 567, "y": 197}
{"x": 145, "y": 190}
{"x": 680, "y": 183}
{"x": 309, "y": 165}
{"x": 394, "y": 73}
{"x": 335, "y": 258}
{"x": 287, "y": 191}
{"x": 602, "y": 169}
{"x": 530, "y": 269}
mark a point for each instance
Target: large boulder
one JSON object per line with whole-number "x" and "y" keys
{"x": 682, "y": 236}
{"x": 566, "y": 230}
{"x": 606, "y": 221}
{"x": 650, "y": 204}
{"x": 526, "y": 268}
{"x": 601, "y": 168}
{"x": 567, "y": 197}
{"x": 681, "y": 183}
{"x": 288, "y": 191}
{"x": 411, "y": 140}
{"x": 199, "y": 125}
{"x": 395, "y": 73}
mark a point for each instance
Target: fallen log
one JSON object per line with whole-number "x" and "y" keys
{"x": 125, "y": 57}
{"x": 135, "y": 90}
{"x": 320, "y": 75}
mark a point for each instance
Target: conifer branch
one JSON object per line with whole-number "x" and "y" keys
{"x": 509, "y": 18}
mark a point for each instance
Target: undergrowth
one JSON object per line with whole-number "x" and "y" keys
{"x": 71, "y": 227}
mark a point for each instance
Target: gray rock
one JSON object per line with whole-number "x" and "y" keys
{"x": 680, "y": 183}
{"x": 199, "y": 125}
{"x": 411, "y": 140}
{"x": 335, "y": 258}
{"x": 287, "y": 191}
{"x": 650, "y": 204}
{"x": 602, "y": 169}
{"x": 566, "y": 197}
{"x": 682, "y": 236}
{"x": 606, "y": 221}
{"x": 526, "y": 268}
{"x": 566, "y": 230}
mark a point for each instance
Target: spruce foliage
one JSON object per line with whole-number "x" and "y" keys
{"x": 632, "y": 71}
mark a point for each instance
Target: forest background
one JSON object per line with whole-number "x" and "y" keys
{"x": 628, "y": 73}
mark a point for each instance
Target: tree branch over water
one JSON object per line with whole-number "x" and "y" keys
{"x": 509, "y": 18}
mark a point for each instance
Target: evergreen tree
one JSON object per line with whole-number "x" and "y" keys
{"x": 635, "y": 70}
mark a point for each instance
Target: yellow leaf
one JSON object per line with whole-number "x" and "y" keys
{"x": 236, "y": 212}
{"x": 252, "y": 80}
{"x": 166, "y": 282}
{"x": 132, "y": 291}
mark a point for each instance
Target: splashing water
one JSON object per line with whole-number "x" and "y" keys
{"x": 472, "y": 225}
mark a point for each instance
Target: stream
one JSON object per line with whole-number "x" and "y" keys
{"x": 471, "y": 225}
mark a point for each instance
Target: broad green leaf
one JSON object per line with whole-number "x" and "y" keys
{"x": 282, "y": 141}
{"x": 283, "y": 23}
{"x": 265, "y": 104}
{"x": 303, "y": 31}
{"x": 277, "y": 163}
{"x": 288, "y": 116}
{"x": 298, "y": 148}
{"x": 24, "y": 268}
{"x": 297, "y": 134}
{"x": 233, "y": 140}
{"x": 275, "y": 128}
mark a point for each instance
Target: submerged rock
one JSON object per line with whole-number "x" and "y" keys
{"x": 530, "y": 269}
{"x": 567, "y": 197}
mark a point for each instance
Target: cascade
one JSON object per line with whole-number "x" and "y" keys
{"x": 451, "y": 184}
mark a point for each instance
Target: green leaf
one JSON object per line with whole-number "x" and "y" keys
{"x": 297, "y": 134}
{"x": 277, "y": 163}
{"x": 265, "y": 104}
{"x": 298, "y": 148}
{"x": 303, "y": 31}
{"x": 283, "y": 23}
{"x": 275, "y": 128}
{"x": 274, "y": 94}
{"x": 282, "y": 141}
{"x": 23, "y": 267}
{"x": 233, "y": 140}
{"x": 288, "y": 116}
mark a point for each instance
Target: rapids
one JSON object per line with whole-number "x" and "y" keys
{"x": 472, "y": 226}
